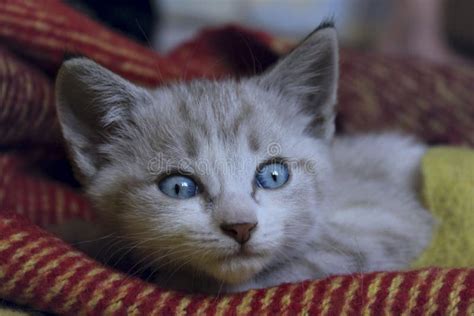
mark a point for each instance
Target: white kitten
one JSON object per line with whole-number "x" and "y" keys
{"x": 238, "y": 184}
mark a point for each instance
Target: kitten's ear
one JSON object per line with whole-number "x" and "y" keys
{"x": 92, "y": 104}
{"x": 309, "y": 74}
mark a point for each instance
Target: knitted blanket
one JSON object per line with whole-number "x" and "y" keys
{"x": 40, "y": 271}
{"x": 447, "y": 190}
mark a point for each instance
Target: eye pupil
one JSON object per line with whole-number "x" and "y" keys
{"x": 275, "y": 176}
{"x": 176, "y": 189}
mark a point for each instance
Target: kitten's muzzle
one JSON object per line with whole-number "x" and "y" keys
{"x": 240, "y": 232}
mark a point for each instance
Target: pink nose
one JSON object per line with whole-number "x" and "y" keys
{"x": 240, "y": 232}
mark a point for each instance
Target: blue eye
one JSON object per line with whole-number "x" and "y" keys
{"x": 272, "y": 175}
{"x": 178, "y": 187}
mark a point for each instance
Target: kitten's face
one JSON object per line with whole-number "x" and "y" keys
{"x": 218, "y": 136}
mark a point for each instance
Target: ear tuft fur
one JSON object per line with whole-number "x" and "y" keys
{"x": 326, "y": 23}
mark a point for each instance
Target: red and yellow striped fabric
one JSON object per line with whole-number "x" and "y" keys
{"x": 40, "y": 271}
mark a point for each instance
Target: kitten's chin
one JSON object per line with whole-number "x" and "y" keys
{"x": 236, "y": 270}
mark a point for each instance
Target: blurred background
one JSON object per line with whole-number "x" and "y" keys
{"x": 439, "y": 30}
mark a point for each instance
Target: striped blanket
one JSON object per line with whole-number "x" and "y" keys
{"x": 40, "y": 271}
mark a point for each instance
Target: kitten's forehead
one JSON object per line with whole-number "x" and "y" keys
{"x": 222, "y": 107}
{"x": 224, "y": 116}
{"x": 223, "y": 129}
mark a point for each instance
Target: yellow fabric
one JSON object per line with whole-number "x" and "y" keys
{"x": 448, "y": 192}
{"x": 10, "y": 311}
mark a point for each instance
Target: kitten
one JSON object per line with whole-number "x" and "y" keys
{"x": 238, "y": 184}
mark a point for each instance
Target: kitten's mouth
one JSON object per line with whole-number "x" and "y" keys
{"x": 241, "y": 253}
{"x": 238, "y": 266}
